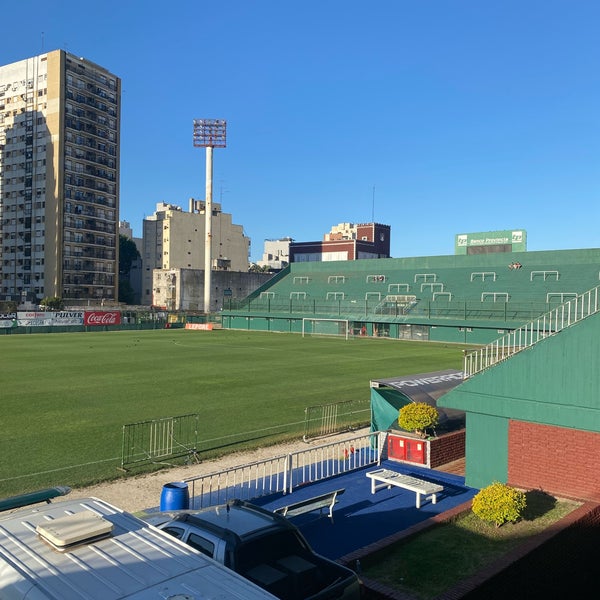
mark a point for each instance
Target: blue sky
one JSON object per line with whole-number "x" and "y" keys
{"x": 436, "y": 117}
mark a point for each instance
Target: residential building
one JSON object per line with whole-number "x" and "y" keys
{"x": 183, "y": 289}
{"x": 59, "y": 179}
{"x": 345, "y": 241}
{"x": 175, "y": 239}
{"x": 276, "y": 254}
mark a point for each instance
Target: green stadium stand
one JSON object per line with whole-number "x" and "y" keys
{"x": 482, "y": 291}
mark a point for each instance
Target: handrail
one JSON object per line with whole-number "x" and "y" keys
{"x": 550, "y": 323}
{"x": 284, "y": 473}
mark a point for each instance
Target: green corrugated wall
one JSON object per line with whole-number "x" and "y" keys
{"x": 555, "y": 382}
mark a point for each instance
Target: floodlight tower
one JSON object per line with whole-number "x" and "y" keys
{"x": 209, "y": 134}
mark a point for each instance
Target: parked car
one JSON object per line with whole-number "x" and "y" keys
{"x": 264, "y": 547}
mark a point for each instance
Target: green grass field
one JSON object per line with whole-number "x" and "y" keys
{"x": 66, "y": 397}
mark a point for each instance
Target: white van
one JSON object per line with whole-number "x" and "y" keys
{"x": 88, "y": 549}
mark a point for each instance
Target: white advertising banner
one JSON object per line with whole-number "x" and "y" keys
{"x": 8, "y": 319}
{"x": 49, "y": 319}
{"x": 68, "y": 318}
{"x": 34, "y": 319}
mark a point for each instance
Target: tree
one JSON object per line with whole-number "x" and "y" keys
{"x": 53, "y": 303}
{"x": 8, "y": 306}
{"x": 128, "y": 253}
{"x": 255, "y": 268}
{"x": 417, "y": 417}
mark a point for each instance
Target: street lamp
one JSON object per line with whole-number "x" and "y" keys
{"x": 209, "y": 134}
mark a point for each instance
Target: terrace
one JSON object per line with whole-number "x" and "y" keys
{"x": 360, "y": 518}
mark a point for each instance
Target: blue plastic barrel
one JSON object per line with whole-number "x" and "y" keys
{"x": 175, "y": 496}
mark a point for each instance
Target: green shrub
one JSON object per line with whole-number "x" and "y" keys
{"x": 417, "y": 416}
{"x": 53, "y": 303}
{"x": 499, "y": 503}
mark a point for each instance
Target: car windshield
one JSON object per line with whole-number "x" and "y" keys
{"x": 268, "y": 548}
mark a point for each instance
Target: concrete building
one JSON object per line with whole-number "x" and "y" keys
{"x": 276, "y": 254}
{"x": 345, "y": 241}
{"x": 59, "y": 179}
{"x": 175, "y": 239}
{"x": 183, "y": 289}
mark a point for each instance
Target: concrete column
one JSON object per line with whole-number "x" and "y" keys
{"x": 208, "y": 229}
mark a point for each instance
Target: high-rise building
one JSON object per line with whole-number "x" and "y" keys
{"x": 59, "y": 179}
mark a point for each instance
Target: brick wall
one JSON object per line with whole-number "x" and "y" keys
{"x": 446, "y": 448}
{"x": 442, "y": 450}
{"x": 555, "y": 459}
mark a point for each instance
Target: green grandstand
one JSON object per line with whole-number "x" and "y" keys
{"x": 459, "y": 298}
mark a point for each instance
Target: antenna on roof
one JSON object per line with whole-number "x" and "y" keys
{"x": 373, "y": 207}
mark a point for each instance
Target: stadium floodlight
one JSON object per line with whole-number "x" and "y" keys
{"x": 209, "y": 134}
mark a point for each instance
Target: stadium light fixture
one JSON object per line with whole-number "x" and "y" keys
{"x": 209, "y": 134}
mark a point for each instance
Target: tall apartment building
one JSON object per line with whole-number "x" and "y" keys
{"x": 59, "y": 179}
{"x": 175, "y": 239}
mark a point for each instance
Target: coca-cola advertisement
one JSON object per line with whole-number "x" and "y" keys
{"x": 99, "y": 318}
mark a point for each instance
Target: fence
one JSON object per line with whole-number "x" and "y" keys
{"x": 358, "y": 309}
{"x": 159, "y": 440}
{"x": 584, "y": 305}
{"x": 326, "y": 419}
{"x": 282, "y": 474}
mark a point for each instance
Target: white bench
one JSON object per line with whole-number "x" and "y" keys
{"x": 318, "y": 502}
{"x": 387, "y": 479}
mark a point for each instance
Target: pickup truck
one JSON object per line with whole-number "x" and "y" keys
{"x": 264, "y": 547}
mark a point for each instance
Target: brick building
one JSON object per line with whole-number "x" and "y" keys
{"x": 345, "y": 242}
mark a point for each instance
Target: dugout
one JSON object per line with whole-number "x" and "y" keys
{"x": 388, "y": 396}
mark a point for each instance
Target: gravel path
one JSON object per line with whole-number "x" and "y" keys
{"x": 139, "y": 492}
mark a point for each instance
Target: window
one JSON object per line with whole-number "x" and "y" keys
{"x": 201, "y": 544}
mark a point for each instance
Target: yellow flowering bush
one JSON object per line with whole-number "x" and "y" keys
{"x": 499, "y": 503}
{"x": 417, "y": 416}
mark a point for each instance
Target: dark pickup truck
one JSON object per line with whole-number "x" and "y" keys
{"x": 264, "y": 547}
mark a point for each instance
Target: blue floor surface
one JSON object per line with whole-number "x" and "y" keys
{"x": 361, "y": 518}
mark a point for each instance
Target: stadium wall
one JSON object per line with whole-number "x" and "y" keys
{"x": 400, "y": 331}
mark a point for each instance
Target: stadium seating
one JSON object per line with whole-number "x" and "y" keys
{"x": 501, "y": 288}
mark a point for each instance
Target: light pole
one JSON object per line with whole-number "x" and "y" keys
{"x": 209, "y": 134}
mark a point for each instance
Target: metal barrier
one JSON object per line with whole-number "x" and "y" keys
{"x": 284, "y": 473}
{"x": 584, "y": 305}
{"x": 159, "y": 440}
{"x": 326, "y": 419}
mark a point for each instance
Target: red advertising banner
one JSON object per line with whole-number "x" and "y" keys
{"x": 97, "y": 317}
{"x": 201, "y": 326}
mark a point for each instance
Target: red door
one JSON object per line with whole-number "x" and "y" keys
{"x": 415, "y": 451}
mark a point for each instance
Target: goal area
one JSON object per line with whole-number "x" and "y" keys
{"x": 326, "y": 327}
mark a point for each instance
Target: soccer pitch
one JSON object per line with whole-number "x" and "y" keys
{"x": 66, "y": 397}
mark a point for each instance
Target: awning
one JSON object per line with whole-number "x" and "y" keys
{"x": 423, "y": 387}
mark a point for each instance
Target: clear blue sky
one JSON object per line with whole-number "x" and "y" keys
{"x": 436, "y": 117}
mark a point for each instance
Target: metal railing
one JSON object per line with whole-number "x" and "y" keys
{"x": 159, "y": 440}
{"x": 357, "y": 309}
{"x": 550, "y": 323}
{"x": 327, "y": 419}
{"x": 284, "y": 473}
